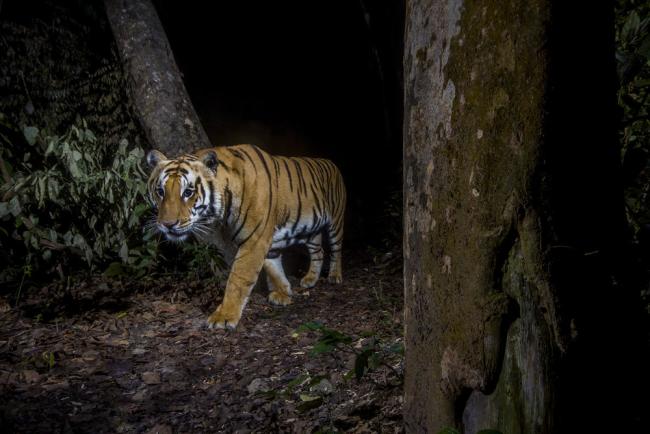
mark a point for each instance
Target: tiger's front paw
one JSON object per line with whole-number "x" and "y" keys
{"x": 280, "y": 298}
{"x": 335, "y": 278}
{"x": 309, "y": 281}
{"x": 223, "y": 319}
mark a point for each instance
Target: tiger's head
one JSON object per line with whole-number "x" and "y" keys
{"x": 184, "y": 192}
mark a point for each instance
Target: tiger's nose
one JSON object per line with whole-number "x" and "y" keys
{"x": 169, "y": 224}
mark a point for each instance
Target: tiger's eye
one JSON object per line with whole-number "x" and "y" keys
{"x": 160, "y": 191}
{"x": 188, "y": 193}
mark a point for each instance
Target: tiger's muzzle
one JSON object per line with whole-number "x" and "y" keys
{"x": 174, "y": 230}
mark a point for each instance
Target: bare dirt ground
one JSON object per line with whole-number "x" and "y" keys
{"x": 109, "y": 356}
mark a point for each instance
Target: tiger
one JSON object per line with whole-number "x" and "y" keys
{"x": 263, "y": 204}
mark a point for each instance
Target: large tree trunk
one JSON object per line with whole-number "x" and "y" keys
{"x": 512, "y": 217}
{"x": 157, "y": 90}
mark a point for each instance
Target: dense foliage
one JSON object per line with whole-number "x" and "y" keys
{"x": 633, "y": 61}
{"x": 73, "y": 202}
{"x": 633, "y": 67}
{"x": 72, "y": 194}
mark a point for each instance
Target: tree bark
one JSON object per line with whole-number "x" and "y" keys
{"x": 156, "y": 86}
{"x": 510, "y": 177}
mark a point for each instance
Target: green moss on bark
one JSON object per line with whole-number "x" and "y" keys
{"x": 475, "y": 86}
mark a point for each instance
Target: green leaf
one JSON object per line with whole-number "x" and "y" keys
{"x": 115, "y": 269}
{"x": 361, "y": 363}
{"x": 309, "y": 405}
{"x": 90, "y": 136}
{"x": 78, "y": 240}
{"x": 266, "y": 394}
{"x": 74, "y": 169}
{"x": 335, "y": 337}
{"x": 140, "y": 209}
{"x": 631, "y": 26}
{"x": 297, "y": 381}
{"x": 30, "y": 133}
{"x": 33, "y": 241}
{"x": 124, "y": 252}
{"x": 397, "y": 348}
{"x": 374, "y": 360}
{"x": 50, "y": 145}
{"x": 448, "y": 430}
{"x": 641, "y": 83}
{"x": 53, "y": 189}
{"x": 320, "y": 348}
{"x": 644, "y": 48}
{"x": 14, "y": 206}
{"x": 138, "y": 154}
{"x": 41, "y": 191}
{"x": 4, "y": 209}
{"x": 9, "y": 167}
{"x": 310, "y": 326}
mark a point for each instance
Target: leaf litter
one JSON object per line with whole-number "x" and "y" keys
{"x": 113, "y": 356}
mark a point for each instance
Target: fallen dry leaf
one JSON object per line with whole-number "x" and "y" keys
{"x": 54, "y": 384}
{"x": 160, "y": 429}
{"x": 151, "y": 377}
{"x": 31, "y": 376}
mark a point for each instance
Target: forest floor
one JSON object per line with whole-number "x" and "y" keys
{"x": 105, "y": 355}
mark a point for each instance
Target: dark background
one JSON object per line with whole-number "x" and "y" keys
{"x": 303, "y": 78}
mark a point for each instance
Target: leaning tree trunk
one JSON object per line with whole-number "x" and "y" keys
{"x": 157, "y": 91}
{"x": 156, "y": 86}
{"x": 512, "y": 212}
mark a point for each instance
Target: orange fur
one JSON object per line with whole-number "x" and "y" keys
{"x": 264, "y": 203}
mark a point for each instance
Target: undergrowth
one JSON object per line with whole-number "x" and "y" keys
{"x": 71, "y": 203}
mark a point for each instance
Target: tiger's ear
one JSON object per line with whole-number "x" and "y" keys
{"x": 154, "y": 158}
{"x": 210, "y": 160}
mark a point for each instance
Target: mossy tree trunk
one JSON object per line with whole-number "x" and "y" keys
{"x": 513, "y": 217}
{"x": 156, "y": 86}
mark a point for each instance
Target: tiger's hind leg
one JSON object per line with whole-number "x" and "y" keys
{"x": 335, "y": 235}
{"x": 279, "y": 286}
{"x": 315, "y": 247}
